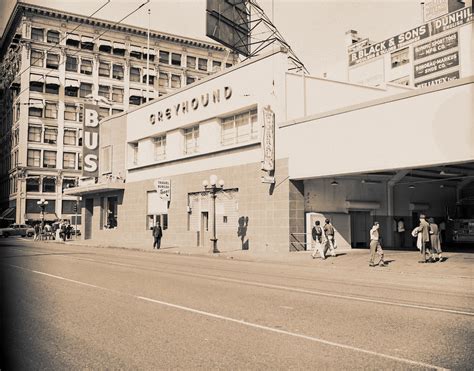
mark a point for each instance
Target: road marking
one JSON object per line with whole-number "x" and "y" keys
{"x": 239, "y": 321}
{"x": 292, "y": 289}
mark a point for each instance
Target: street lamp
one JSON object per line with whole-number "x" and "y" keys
{"x": 213, "y": 187}
{"x": 42, "y": 204}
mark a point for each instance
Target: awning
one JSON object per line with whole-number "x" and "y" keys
{"x": 94, "y": 188}
{"x": 150, "y": 72}
{"x": 51, "y": 80}
{"x": 87, "y": 39}
{"x": 362, "y": 205}
{"x": 105, "y": 43}
{"x": 136, "y": 49}
{"x": 70, "y": 83}
{"x": 150, "y": 51}
{"x": 8, "y": 214}
{"x": 119, "y": 45}
{"x": 36, "y": 103}
{"x": 36, "y": 78}
{"x": 73, "y": 36}
{"x": 136, "y": 93}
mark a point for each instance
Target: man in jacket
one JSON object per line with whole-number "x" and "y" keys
{"x": 157, "y": 233}
{"x": 375, "y": 246}
{"x": 425, "y": 238}
{"x": 319, "y": 246}
{"x": 329, "y": 234}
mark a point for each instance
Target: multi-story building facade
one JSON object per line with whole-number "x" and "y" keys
{"x": 52, "y": 63}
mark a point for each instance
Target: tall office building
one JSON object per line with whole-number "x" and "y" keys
{"x": 54, "y": 62}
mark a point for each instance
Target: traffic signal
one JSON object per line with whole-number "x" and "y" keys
{"x": 74, "y": 207}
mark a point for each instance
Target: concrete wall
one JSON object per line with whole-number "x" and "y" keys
{"x": 419, "y": 128}
{"x": 113, "y": 133}
{"x": 265, "y": 206}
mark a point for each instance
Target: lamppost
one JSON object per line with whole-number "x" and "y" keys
{"x": 42, "y": 204}
{"x": 213, "y": 187}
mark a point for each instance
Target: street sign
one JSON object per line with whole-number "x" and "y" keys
{"x": 163, "y": 187}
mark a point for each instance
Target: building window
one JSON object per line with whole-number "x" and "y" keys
{"x": 34, "y": 157}
{"x": 52, "y": 37}
{"x": 71, "y": 91}
{"x": 51, "y": 110}
{"x": 190, "y": 80}
{"x": 151, "y": 78}
{"x": 70, "y": 112}
{"x": 202, "y": 64}
{"x": 32, "y": 184}
{"x": 34, "y": 134}
{"x": 37, "y": 34}
{"x": 175, "y": 81}
{"x": 85, "y": 89}
{"x": 70, "y": 137}
{"x": 37, "y": 58}
{"x": 103, "y": 112}
{"x": 69, "y": 160}
{"x": 176, "y": 59}
{"x": 87, "y": 43}
{"x": 36, "y": 86}
{"x": 71, "y": 64}
{"x": 86, "y": 66}
{"x": 160, "y": 147}
{"x": 52, "y": 61}
{"x": 117, "y": 72}
{"x": 163, "y": 81}
{"x": 134, "y": 151}
{"x": 49, "y": 185}
{"x": 239, "y": 128}
{"x": 119, "y": 49}
{"x": 135, "y": 74}
{"x": 401, "y": 57}
{"x": 191, "y": 140}
{"x": 216, "y": 65}
{"x": 110, "y": 210}
{"x": 104, "y": 69}
{"x": 104, "y": 91}
{"x": 164, "y": 57}
{"x": 36, "y": 109}
{"x": 72, "y": 40}
{"x": 105, "y": 46}
{"x": 68, "y": 207}
{"x": 50, "y": 135}
{"x": 52, "y": 88}
{"x": 191, "y": 62}
{"x": 135, "y": 52}
{"x": 117, "y": 95}
{"x": 49, "y": 159}
{"x": 69, "y": 183}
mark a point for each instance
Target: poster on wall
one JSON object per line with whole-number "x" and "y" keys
{"x": 438, "y": 80}
{"x": 434, "y": 8}
{"x": 436, "y": 46}
{"x": 268, "y": 140}
{"x": 436, "y": 65}
{"x": 163, "y": 188}
{"x": 90, "y": 143}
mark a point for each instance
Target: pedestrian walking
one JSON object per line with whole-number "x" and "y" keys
{"x": 37, "y": 232}
{"x": 68, "y": 231}
{"x": 424, "y": 230}
{"x": 157, "y": 234}
{"x": 330, "y": 241}
{"x": 435, "y": 242}
{"x": 318, "y": 247}
{"x": 375, "y": 246}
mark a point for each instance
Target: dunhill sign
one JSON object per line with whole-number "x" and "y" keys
{"x": 193, "y": 104}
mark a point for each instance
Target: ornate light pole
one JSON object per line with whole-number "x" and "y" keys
{"x": 42, "y": 204}
{"x": 213, "y": 187}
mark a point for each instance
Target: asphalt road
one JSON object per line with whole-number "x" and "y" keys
{"x": 75, "y": 307}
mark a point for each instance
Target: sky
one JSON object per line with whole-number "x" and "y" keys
{"x": 315, "y": 29}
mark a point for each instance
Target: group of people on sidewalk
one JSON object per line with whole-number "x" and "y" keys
{"x": 427, "y": 234}
{"x": 60, "y": 230}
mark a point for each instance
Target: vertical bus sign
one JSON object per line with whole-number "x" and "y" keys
{"x": 268, "y": 140}
{"x": 90, "y": 143}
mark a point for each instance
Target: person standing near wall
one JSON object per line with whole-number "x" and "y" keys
{"x": 435, "y": 242}
{"x": 425, "y": 238}
{"x": 401, "y": 232}
{"x": 157, "y": 234}
{"x": 317, "y": 234}
{"x": 329, "y": 236}
{"x": 375, "y": 246}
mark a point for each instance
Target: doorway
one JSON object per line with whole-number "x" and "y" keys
{"x": 361, "y": 222}
{"x": 204, "y": 228}
{"x": 89, "y": 213}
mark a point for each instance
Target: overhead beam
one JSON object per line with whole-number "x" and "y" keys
{"x": 397, "y": 177}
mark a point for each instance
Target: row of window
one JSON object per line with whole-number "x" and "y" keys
{"x": 238, "y": 128}
{"x": 47, "y": 184}
{"x": 47, "y": 159}
{"x": 72, "y": 111}
{"x": 136, "y": 52}
{"x": 49, "y": 135}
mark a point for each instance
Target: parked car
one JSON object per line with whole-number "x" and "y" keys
{"x": 22, "y": 230}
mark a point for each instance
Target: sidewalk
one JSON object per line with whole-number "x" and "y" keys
{"x": 457, "y": 264}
